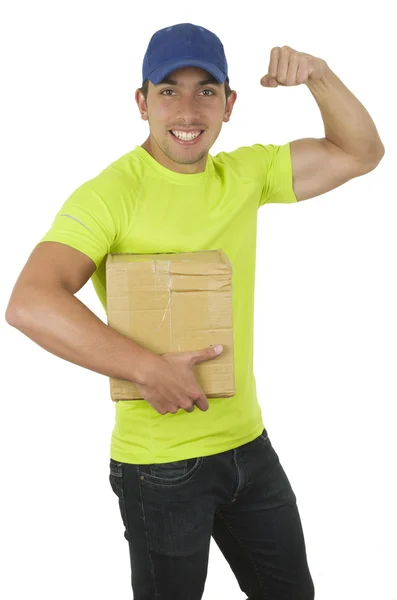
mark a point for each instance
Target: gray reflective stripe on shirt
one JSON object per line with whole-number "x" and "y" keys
{"x": 74, "y": 218}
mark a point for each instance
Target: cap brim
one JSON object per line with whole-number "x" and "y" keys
{"x": 161, "y": 72}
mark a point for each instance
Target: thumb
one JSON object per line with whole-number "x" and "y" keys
{"x": 206, "y": 353}
{"x": 268, "y": 81}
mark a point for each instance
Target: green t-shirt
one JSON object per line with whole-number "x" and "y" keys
{"x": 136, "y": 205}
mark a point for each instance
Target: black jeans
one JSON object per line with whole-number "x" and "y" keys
{"x": 241, "y": 497}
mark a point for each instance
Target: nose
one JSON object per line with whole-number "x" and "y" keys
{"x": 188, "y": 110}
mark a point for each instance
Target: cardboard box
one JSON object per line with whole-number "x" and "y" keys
{"x": 173, "y": 303}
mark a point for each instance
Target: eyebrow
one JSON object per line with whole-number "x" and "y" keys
{"x": 170, "y": 81}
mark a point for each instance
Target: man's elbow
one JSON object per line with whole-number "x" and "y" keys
{"x": 377, "y": 157}
{"x": 13, "y": 315}
{"x": 19, "y": 309}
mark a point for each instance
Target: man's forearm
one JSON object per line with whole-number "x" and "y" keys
{"x": 347, "y": 122}
{"x": 61, "y": 324}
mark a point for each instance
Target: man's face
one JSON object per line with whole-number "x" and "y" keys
{"x": 189, "y": 98}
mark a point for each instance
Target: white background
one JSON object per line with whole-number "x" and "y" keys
{"x": 325, "y": 336}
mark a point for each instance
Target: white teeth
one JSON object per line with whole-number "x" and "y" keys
{"x": 185, "y": 136}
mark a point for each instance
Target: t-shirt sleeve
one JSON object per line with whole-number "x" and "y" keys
{"x": 270, "y": 166}
{"x": 85, "y": 222}
{"x": 276, "y": 165}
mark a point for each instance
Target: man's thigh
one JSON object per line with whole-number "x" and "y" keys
{"x": 260, "y": 532}
{"x": 168, "y": 526}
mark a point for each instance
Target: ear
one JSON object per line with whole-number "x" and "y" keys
{"x": 229, "y": 106}
{"x": 140, "y": 100}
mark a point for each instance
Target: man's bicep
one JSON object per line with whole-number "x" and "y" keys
{"x": 81, "y": 235}
{"x": 319, "y": 166}
{"x": 56, "y": 264}
{"x": 50, "y": 266}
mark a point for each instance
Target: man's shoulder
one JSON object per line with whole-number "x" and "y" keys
{"x": 122, "y": 174}
{"x": 127, "y": 166}
{"x": 250, "y": 160}
{"x": 248, "y": 152}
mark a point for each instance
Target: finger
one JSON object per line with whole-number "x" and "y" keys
{"x": 283, "y": 63}
{"x": 206, "y": 353}
{"x": 202, "y": 403}
{"x": 273, "y": 64}
{"x": 293, "y": 66}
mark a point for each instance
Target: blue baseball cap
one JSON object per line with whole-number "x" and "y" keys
{"x": 184, "y": 45}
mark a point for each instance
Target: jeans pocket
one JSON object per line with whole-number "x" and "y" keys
{"x": 171, "y": 473}
{"x": 116, "y": 481}
{"x": 116, "y": 478}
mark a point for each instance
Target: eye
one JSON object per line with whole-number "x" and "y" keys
{"x": 169, "y": 90}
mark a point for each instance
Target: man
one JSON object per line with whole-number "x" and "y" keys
{"x": 185, "y": 467}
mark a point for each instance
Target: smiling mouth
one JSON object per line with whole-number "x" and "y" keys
{"x": 187, "y": 141}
